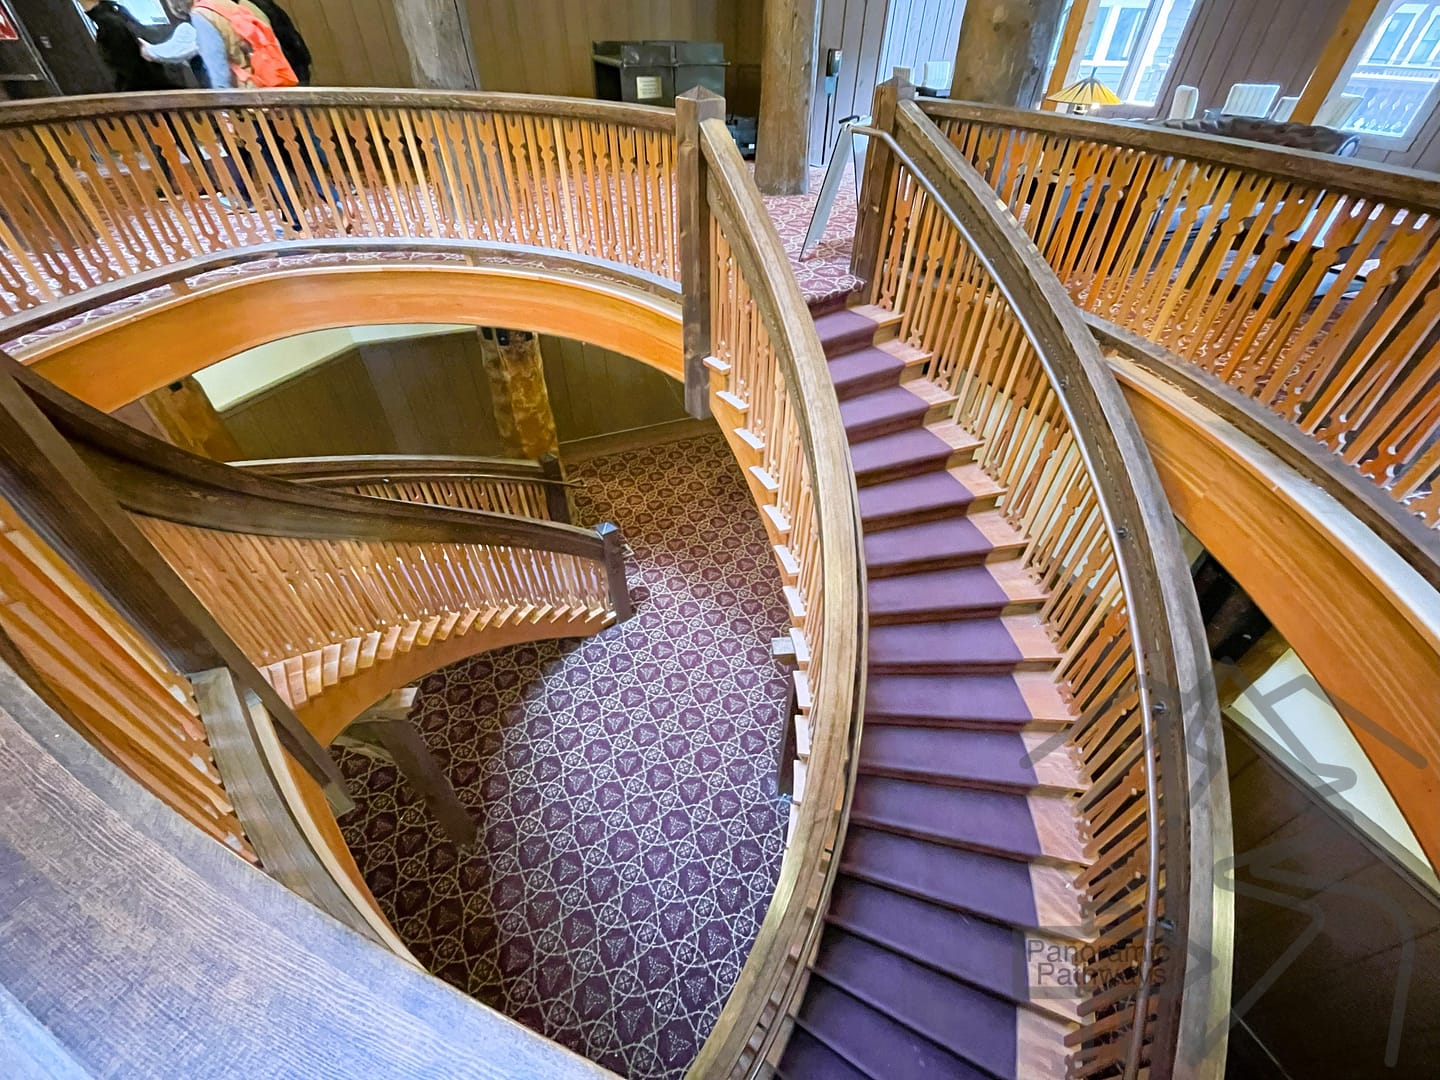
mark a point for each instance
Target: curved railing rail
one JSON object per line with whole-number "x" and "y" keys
{"x": 514, "y": 486}
{"x": 98, "y": 189}
{"x": 315, "y": 584}
{"x": 771, "y": 393}
{"x": 1030, "y": 382}
{"x": 1308, "y": 283}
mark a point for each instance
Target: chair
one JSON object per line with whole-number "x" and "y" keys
{"x": 1184, "y": 102}
{"x": 1250, "y": 99}
{"x": 1285, "y": 109}
{"x": 1337, "y": 111}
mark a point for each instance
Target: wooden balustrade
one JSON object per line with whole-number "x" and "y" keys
{"x": 533, "y": 489}
{"x": 100, "y": 190}
{"x": 108, "y": 682}
{"x": 770, "y": 392}
{"x": 1310, "y": 284}
{"x": 1029, "y": 383}
{"x": 315, "y": 585}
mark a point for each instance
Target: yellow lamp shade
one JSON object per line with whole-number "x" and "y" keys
{"x": 1088, "y": 91}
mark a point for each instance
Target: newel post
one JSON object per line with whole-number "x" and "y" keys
{"x": 614, "y": 557}
{"x": 557, "y": 495}
{"x": 879, "y": 179}
{"x": 691, "y": 110}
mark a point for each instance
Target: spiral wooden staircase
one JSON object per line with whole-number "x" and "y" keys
{"x": 1009, "y": 810}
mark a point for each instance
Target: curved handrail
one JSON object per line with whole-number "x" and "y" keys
{"x": 767, "y": 331}
{"x": 514, "y": 486}
{"x": 102, "y": 188}
{"x": 1170, "y": 706}
{"x": 1307, "y": 283}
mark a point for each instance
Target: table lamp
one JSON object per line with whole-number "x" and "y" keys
{"x": 1082, "y": 95}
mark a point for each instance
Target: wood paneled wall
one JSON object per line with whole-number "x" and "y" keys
{"x": 430, "y": 395}
{"x": 920, "y": 30}
{"x": 1230, "y": 41}
{"x": 526, "y": 46}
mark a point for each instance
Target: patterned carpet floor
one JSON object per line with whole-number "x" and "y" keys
{"x": 631, "y": 834}
{"x": 824, "y": 273}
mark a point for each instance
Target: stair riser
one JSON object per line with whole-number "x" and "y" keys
{"x": 950, "y": 613}
{"x": 1003, "y": 917}
{"x": 880, "y": 523}
{"x": 959, "y": 844}
{"x": 853, "y": 388}
{"x": 858, "y": 433}
{"x": 949, "y": 562}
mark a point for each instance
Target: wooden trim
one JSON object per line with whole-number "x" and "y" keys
{"x": 1408, "y": 187}
{"x": 112, "y": 362}
{"x": 1333, "y": 60}
{"x": 1296, "y": 552}
{"x": 57, "y": 110}
{"x": 1401, "y": 530}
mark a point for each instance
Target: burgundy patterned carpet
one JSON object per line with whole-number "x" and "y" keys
{"x": 824, "y": 273}
{"x": 630, "y": 831}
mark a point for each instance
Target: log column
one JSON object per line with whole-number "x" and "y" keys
{"x": 182, "y": 415}
{"x": 518, "y": 393}
{"x": 1003, "y": 47}
{"x": 437, "y": 43}
{"x": 787, "y": 79}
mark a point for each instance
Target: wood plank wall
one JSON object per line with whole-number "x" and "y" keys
{"x": 430, "y": 396}
{"x": 1230, "y": 41}
{"x": 857, "y": 28}
{"x": 920, "y": 30}
{"x": 527, "y": 46}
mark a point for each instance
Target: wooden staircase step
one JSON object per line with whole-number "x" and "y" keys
{"x": 864, "y": 370}
{"x": 927, "y": 497}
{"x": 935, "y": 545}
{"x": 957, "y": 757}
{"x": 1012, "y": 824}
{"x": 879, "y": 1047}
{"x": 911, "y": 452}
{"x": 1018, "y": 701}
{"x": 981, "y": 590}
{"x": 967, "y": 646}
{"x": 848, "y": 331}
{"x": 882, "y": 412}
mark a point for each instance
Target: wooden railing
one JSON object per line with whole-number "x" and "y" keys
{"x": 314, "y": 584}
{"x": 98, "y": 190}
{"x": 771, "y": 393}
{"x": 1031, "y": 385}
{"x": 533, "y": 489}
{"x": 108, "y": 682}
{"x": 1310, "y": 284}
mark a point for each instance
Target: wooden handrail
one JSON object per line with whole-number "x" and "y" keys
{"x": 1034, "y": 388}
{"x": 99, "y": 189}
{"x": 763, "y": 339}
{"x": 1305, "y": 282}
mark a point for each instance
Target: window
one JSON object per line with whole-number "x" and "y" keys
{"x": 1131, "y": 45}
{"x": 1392, "y": 75}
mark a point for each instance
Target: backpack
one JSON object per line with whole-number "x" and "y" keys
{"x": 268, "y": 66}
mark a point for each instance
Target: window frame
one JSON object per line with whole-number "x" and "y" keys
{"x": 1360, "y": 54}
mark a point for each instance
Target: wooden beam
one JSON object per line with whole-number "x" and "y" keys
{"x": 787, "y": 81}
{"x": 436, "y": 34}
{"x": 406, "y": 747}
{"x": 1334, "y": 59}
{"x": 1003, "y": 46}
{"x": 1076, "y": 30}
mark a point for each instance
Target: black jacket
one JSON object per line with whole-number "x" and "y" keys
{"x": 120, "y": 49}
{"x": 291, "y": 43}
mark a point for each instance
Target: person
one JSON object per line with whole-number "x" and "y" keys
{"x": 288, "y": 35}
{"x": 115, "y": 34}
{"x": 197, "y": 43}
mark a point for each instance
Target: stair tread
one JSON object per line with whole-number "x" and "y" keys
{"x": 988, "y": 587}
{"x": 948, "y": 493}
{"x": 880, "y": 412}
{"x": 959, "y": 755}
{"x": 992, "y": 820}
{"x": 976, "y": 950}
{"x": 981, "y": 644}
{"x": 865, "y": 369}
{"x": 900, "y": 452}
{"x": 881, "y": 1047}
{"x": 972, "y": 1024}
{"x": 1006, "y": 699}
{"x": 948, "y": 541}
{"x": 845, "y": 331}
